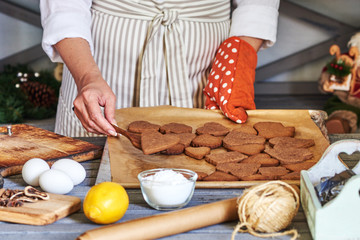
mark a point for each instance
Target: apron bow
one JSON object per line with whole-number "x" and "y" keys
{"x": 175, "y": 61}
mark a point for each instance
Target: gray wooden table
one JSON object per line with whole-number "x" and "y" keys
{"x": 75, "y": 224}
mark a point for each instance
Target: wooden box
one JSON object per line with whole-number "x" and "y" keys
{"x": 339, "y": 218}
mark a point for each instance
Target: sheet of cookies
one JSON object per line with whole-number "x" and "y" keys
{"x": 127, "y": 161}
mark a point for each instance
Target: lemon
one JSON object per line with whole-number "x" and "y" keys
{"x": 106, "y": 203}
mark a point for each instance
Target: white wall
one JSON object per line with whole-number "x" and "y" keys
{"x": 16, "y": 35}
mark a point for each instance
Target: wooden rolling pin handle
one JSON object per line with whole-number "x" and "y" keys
{"x": 167, "y": 224}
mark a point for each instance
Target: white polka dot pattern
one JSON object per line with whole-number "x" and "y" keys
{"x": 220, "y": 83}
{"x": 223, "y": 69}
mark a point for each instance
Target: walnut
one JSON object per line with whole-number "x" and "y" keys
{"x": 4, "y": 202}
{"x": 15, "y": 203}
{"x": 9, "y": 192}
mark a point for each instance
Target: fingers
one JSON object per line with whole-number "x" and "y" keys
{"x": 87, "y": 109}
{"x": 109, "y": 111}
{"x": 98, "y": 122}
{"x": 83, "y": 116}
{"x": 210, "y": 103}
{"x": 236, "y": 114}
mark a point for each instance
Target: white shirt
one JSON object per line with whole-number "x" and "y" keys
{"x": 72, "y": 19}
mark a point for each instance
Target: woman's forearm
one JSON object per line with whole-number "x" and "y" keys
{"x": 76, "y": 54}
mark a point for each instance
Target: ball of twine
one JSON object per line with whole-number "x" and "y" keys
{"x": 266, "y": 209}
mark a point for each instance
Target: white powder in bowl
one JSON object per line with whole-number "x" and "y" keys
{"x": 167, "y": 188}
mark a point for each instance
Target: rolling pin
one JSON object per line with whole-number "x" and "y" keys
{"x": 166, "y": 224}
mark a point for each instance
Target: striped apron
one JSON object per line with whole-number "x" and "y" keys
{"x": 151, "y": 53}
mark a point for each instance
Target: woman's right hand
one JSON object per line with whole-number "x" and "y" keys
{"x": 94, "y": 93}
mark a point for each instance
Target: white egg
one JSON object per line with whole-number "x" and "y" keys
{"x": 55, "y": 181}
{"x": 32, "y": 169}
{"x": 72, "y": 168}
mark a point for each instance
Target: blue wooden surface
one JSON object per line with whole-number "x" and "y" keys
{"x": 74, "y": 225}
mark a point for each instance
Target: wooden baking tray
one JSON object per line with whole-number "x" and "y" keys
{"x": 126, "y": 161}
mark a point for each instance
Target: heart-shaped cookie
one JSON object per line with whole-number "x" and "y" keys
{"x": 153, "y": 141}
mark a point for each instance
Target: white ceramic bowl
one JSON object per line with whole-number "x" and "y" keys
{"x": 167, "y": 188}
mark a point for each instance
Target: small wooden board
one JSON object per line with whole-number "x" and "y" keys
{"x": 41, "y": 212}
{"x": 28, "y": 142}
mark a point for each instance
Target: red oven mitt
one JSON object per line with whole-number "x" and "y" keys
{"x": 230, "y": 85}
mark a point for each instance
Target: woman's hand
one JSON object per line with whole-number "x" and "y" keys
{"x": 94, "y": 93}
{"x": 93, "y": 90}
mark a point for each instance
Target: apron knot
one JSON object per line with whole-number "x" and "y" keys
{"x": 174, "y": 59}
{"x": 169, "y": 17}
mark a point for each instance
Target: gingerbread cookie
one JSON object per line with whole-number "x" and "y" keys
{"x": 288, "y": 155}
{"x": 239, "y": 170}
{"x": 153, "y": 141}
{"x": 273, "y": 172}
{"x": 248, "y": 149}
{"x": 213, "y": 128}
{"x": 257, "y": 177}
{"x": 239, "y": 138}
{"x": 140, "y": 126}
{"x": 185, "y": 138}
{"x": 292, "y": 142}
{"x": 174, "y": 150}
{"x": 220, "y": 176}
{"x": 244, "y": 142}
{"x": 227, "y": 157}
{"x": 273, "y": 129}
{"x": 175, "y": 128}
{"x": 264, "y": 159}
{"x": 245, "y": 129}
{"x": 206, "y": 140}
{"x": 197, "y": 152}
{"x": 297, "y": 167}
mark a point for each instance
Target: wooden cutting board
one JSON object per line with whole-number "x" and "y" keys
{"x": 41, "y": 212}
{"x": 28, "y": 142}
{"x": 127, "y": 162}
